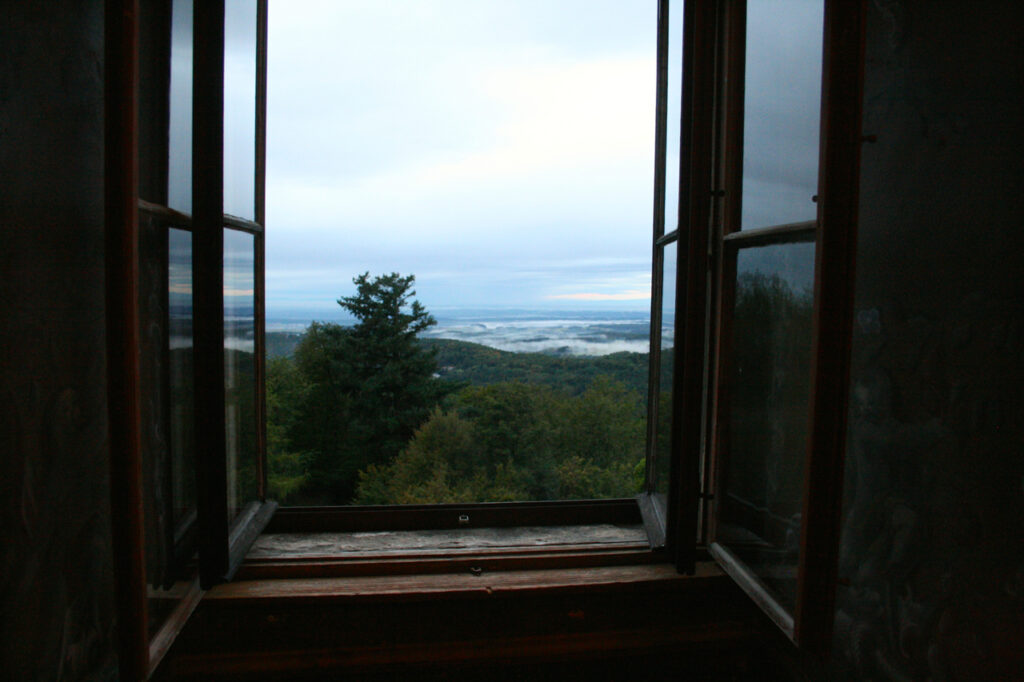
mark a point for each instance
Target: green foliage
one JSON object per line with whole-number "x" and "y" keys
{"x": 356, "y": 414}
{"x": 480, "y": 365}
{"x": 353, "y": 396}
{"x": 514, "y": 441}
{"x": 287, "y": 470}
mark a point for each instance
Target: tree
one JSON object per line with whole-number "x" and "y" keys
{"x": 369, "y": 386}
{"x": 390, "y": 375}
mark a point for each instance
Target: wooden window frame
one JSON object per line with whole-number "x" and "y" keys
{"x": 833, "y": 231}
{"x": 705, "y": 168}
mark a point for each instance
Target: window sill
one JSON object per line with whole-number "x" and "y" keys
{"x": 465, "y": 550}
{"x": 420, "y": 625}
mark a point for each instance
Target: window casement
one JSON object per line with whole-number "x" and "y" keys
{"x": 724, "y": 407}
{"x": 784, "y": 187}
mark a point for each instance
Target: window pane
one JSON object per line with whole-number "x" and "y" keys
{"x": 240, "y": 108}
{"x": 663, "y": 432}
{"x": 766, "y": 432}
{"x": 170, "y": 476}
{"x": 239, "y": 369}
{"x": 501, "y": 152}
{"x": 179, "y": 133}
{"x": 674, "y": 102}
{"x": 782, "y": 102}
{"x": 183, "y": 479}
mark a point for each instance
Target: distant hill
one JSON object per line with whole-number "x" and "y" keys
{"x": 477, "y": 364}
{"x": 282, "y": 344}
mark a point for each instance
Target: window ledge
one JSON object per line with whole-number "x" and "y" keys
{"x": 474, "y": 625}
{"x": 463, "y": 584}
{"x": 445, "y": 551}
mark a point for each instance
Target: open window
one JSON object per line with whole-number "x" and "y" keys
{"x": 746, "y": 396}
{"x": 200, "y": 241}
{"x": 786, "y": 130}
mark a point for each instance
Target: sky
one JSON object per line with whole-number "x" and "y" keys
{"x": 502, "y": 151}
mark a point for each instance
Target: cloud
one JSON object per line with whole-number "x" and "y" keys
{"x": 634, "y": 295}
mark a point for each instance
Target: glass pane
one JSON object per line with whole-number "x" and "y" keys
{"x": 239, "y": 369}
{"x": 782, "y": 102}
{"x": 767, "y": 420}
{"x": 663, "y": 430}
{"x": 179, "y": 132}
{"x": 170, "y": 488}
{"x": 674, "y": 102}
{"x": 240, "y": 108}
{"x": 182, "y": 437}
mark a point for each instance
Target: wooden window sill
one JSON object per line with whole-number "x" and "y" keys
{"x": 466, "y": 550}
{"x": 462, "y": 584}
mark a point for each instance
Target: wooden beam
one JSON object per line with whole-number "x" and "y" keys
{"x": 122, "y": 328}
{"x": 839, "y": 181}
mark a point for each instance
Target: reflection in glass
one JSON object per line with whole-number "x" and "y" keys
{"x": 782, "y": 102}
{"x": 663, "y": 430}
{"x": 182, "y": 438}
{"x": 240, "y": 108}
{"x": 239, "y": 368}
{"x": 165, "y": 588}
{"x": 674, "y": 102}
{"x": 179, "y": 132}
{"x": 767, "y": 421}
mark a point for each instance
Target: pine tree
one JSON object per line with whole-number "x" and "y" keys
{"x": 372, "y": 385}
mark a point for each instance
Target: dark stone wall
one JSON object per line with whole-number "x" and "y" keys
{"x": 56, "y": 577}
{"x": 932, "y": 558}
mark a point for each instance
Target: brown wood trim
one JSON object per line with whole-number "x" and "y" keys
{"x": 208, "y": 288}
{"x": 241, "y": 224}
{"x": 722, "y": 408}
{"x": 744, "y": 577}
{"x": 161, "y": 642}
{"x": 661, "y": 118}
{"x": 776, "y": 234}
{"x": 168, "y": 215}
{"x": 433, "y": 586}
{"x": 409, "y": 660}
{"x": 692, "y": 280}
{"x": 245, "y": 532}
{"x": 839, "y": 178}
{"x": 121, "y": 49}
{"x": 656, "y": 531}
{"x": 483, "y": 515}
{"x": 260, "y": 186}
{"x": 731, "y": 107}
{"x": 510, "y": 560}
{"x": 667, "y": 238}
{"x": 260, "y": 364}
{"x": 653, "y": 515}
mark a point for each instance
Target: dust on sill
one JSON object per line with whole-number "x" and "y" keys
{"x": 446, "y": 542}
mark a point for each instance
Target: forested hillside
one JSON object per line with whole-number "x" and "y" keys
{"x": 479, "y": 365}
{"x": 372, "y": 414}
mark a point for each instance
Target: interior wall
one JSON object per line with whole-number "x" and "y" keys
{"x": 56, "y": 582}
{"x": 932, "y": 563}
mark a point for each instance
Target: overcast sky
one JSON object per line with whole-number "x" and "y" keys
{"x": 500, "y": 150}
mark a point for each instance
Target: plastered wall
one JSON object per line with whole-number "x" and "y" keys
{"x": 932, "y": 558}
{"x": 56, "y": 584}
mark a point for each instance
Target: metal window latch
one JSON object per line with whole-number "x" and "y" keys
{"x": 463, "y": 519}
